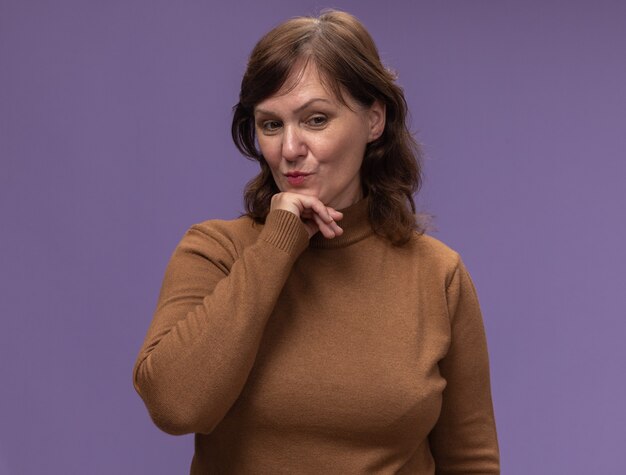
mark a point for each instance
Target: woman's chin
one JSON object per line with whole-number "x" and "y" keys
{"x": 302, "y": 190}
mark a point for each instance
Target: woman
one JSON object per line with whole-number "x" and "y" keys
{"x": 323, "y": 332}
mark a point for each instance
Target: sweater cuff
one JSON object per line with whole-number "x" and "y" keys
{"x": 284, "y": 230}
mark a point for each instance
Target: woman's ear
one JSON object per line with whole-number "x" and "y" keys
{"x": 377, "y": 114}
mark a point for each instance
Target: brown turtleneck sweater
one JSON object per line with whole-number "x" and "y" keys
{"x": 341, "y": 356}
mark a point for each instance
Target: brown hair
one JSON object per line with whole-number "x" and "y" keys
{"x": 347, "y": 59}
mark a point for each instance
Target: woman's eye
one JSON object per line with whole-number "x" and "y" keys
{"x": 317, "y": 121}
{"x": 271, "y": 125}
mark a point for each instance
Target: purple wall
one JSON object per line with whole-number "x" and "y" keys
{"x": 114, "y": 138}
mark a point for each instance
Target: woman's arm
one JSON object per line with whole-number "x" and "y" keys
{"x": 211, "y": 313}
{"x": 464, "y": 439}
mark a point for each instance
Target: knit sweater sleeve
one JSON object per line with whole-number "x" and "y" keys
{"x": 210, "y": 316}
{"x": 464, "y": 439}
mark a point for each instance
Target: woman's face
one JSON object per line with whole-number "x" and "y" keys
{"x": 314, "y": 144}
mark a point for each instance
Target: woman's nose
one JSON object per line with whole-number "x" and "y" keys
{"x": 293, "y": 146}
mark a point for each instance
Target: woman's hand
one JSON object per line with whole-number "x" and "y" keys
{"x": 315, "y": 215}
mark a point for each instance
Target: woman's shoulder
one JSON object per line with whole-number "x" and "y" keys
{"x": 435, "y": 254}
{"x": 220, "y": 235}
{"x": 438, "y": 260}
{"x": 238, "y": 228}
{"x": 432, "y": 247}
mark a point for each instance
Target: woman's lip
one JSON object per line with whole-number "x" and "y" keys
{"x": 296, "y": 173}
{"x": 296, "y": 179}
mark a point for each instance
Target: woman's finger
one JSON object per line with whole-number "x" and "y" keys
{"x": 325, "y": 228}
{"x": 315, "y": 215}
{"x": 322, "y": 210}
{"x": 336, "y": 215}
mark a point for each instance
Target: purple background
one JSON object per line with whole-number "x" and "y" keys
{"x": 114, "y": 138}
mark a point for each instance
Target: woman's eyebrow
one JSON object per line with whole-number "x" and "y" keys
{"x": 300, "y": 108}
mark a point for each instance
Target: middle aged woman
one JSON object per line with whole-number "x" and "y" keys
{"x": 323, "y": 332}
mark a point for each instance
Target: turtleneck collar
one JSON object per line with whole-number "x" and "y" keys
{"x": 355, "y": 225}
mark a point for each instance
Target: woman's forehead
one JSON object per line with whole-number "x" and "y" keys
{"x": 303, "y": 84}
